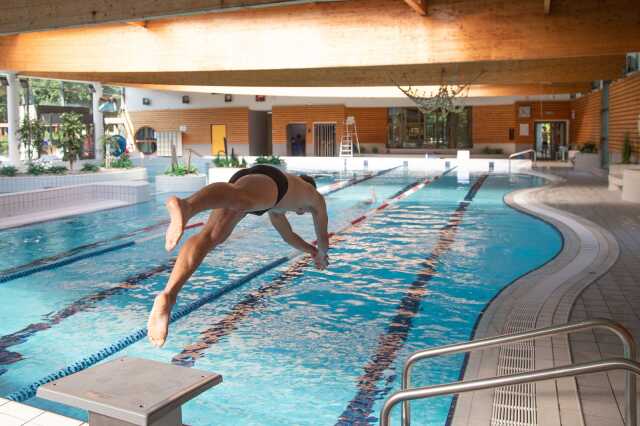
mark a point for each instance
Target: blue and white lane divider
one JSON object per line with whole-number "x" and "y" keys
{"x": 29, "y": 391}
{"x": 212, "y": 335}
{"x": 71, "y": 256}
{"x": 8, "y": 357}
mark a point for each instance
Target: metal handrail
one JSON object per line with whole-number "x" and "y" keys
{"x": 632, "y": 367}
{"x": 517, "y": 154}
{"x": 194, "y": 152}
{"x": 630, "y": 352}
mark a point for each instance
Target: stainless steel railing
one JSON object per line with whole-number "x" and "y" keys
{"x": 631, "y": 367}
{"x": 630, "y": 352}
{"x": 517, "y": 154}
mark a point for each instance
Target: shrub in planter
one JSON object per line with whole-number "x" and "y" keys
{"x": 231, "y": 161}
{"x": 36, "y": 169}
{"x": 181, "y": 170}
{"x": 271, "y": 159}
{"x": 492, "y": 151}
{"x": 90, "y": 167}
{"x": 589, "y": 148}
{"x": 375, "y": 150}
{"x": 8, "y": 171}
{"x": 122, "y": 162}
{"x": 57, "y": 170}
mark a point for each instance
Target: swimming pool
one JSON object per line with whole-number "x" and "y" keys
{"x": 294, "y": 345}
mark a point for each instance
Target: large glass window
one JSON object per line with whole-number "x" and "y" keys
{"x": 410, "y": 128}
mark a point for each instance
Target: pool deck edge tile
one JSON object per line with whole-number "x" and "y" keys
{"x": 548, "y": 296}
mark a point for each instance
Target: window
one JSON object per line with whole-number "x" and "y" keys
{"x": 410, "y": 128}
{"x": 633, "y": 62}
{"x": 146, "y": 140}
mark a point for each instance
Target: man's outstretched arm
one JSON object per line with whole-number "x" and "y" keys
{"x": 321, "y": 223}
{"x": 282, "y": 225}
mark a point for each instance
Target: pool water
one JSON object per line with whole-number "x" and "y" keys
{"x": 295, "y": 350}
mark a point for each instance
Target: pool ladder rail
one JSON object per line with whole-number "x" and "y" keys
{"x": 517, "y": 154}
{"x": 628, "y": 363}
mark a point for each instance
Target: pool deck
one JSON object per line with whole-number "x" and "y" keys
{"x": 592, "y": 277}
{"x": 16, "y": 414}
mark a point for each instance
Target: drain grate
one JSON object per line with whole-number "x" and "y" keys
{"x": 516, "y": 405}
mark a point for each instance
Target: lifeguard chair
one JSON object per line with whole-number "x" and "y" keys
{"x": 350, "y": 134}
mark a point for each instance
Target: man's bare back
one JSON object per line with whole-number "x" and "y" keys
{"x": 253, "y": 191}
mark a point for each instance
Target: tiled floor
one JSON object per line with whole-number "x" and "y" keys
{"x": 15, "y": 414}
{"x": 615, "y": 295}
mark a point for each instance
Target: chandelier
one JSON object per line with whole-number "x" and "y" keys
{"x": 446, "y": 99}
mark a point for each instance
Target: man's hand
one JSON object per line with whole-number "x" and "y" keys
{"x": 321, "y": 260}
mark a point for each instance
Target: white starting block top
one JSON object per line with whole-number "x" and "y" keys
{"x": 130, "y": 390}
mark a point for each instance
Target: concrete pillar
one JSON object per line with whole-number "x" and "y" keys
{"x": 98, "y": 121}
{"x": 13, "y": 118}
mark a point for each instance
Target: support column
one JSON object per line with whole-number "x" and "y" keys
{"x": 98, "y": 121}
{"x": 13, "y": 118}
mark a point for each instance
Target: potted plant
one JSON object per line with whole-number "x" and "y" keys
{"x": 31, "y": 134}
{"x": 225, "y": 167}
{"x": 70, "y": 136}
{"x": 271, "y": 160}
{"x": 181, "y": 177}
{"x": 587, "y": 159}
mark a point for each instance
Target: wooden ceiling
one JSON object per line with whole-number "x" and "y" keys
{"x": 20, "y": 16}
{"x": 333, "y": 44}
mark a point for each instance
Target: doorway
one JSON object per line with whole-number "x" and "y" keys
{"x": 296, "y": 139}
{"x": 218, "y": 139}
{"x": 324, "y": 139}
{"x": 551, "y": 140}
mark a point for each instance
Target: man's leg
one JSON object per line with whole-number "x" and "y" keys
{"x": 218, "y": 228}
{"x": 253, "y": 192}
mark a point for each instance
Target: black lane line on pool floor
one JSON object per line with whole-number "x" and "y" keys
{"x": 87, "y": 302}
{"x": 83, "y": 304}
{"x": 71, "y": 256}
{"x": 250, "y": 303}
{"x": 359, "y": 409}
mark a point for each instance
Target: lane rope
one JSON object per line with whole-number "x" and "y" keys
{"x": 29, "y": 391}
{"x": 69, "y": 256}
{"x": 212, "y": 335}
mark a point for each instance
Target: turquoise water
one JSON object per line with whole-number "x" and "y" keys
{"x": 295, "y": 353}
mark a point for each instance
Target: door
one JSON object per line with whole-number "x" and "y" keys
{"x": 324, "y": 139}
{"x": 296, "y": 139}
{"x": 218, "y": 139}
{"x": 551, "y": 140}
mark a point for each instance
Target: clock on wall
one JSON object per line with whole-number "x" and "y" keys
{"x": 524, "y": 111}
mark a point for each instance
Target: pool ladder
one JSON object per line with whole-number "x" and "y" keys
{"x": 628, "y": 363}
{"x": 517, "y": 154}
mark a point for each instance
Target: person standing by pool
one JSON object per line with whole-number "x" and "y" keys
{"x": 256, "y": 190}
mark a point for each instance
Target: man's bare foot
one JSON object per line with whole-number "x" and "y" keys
{"x": 178, "y": 214}
{"x": 158, "y": 323}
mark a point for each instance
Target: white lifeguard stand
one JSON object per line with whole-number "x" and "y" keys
{"x": 350, "y": 133}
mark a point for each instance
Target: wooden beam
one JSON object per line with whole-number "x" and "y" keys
{"x": 544, "y": 71}
{"x": 355, "y": 33}
{"x": 476, "y": 91}
{"x": 19, "y": 16}
{"x": 420, "y": 6}
{"x": 140, "y": 24}
{"x": 547, "y": 7}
